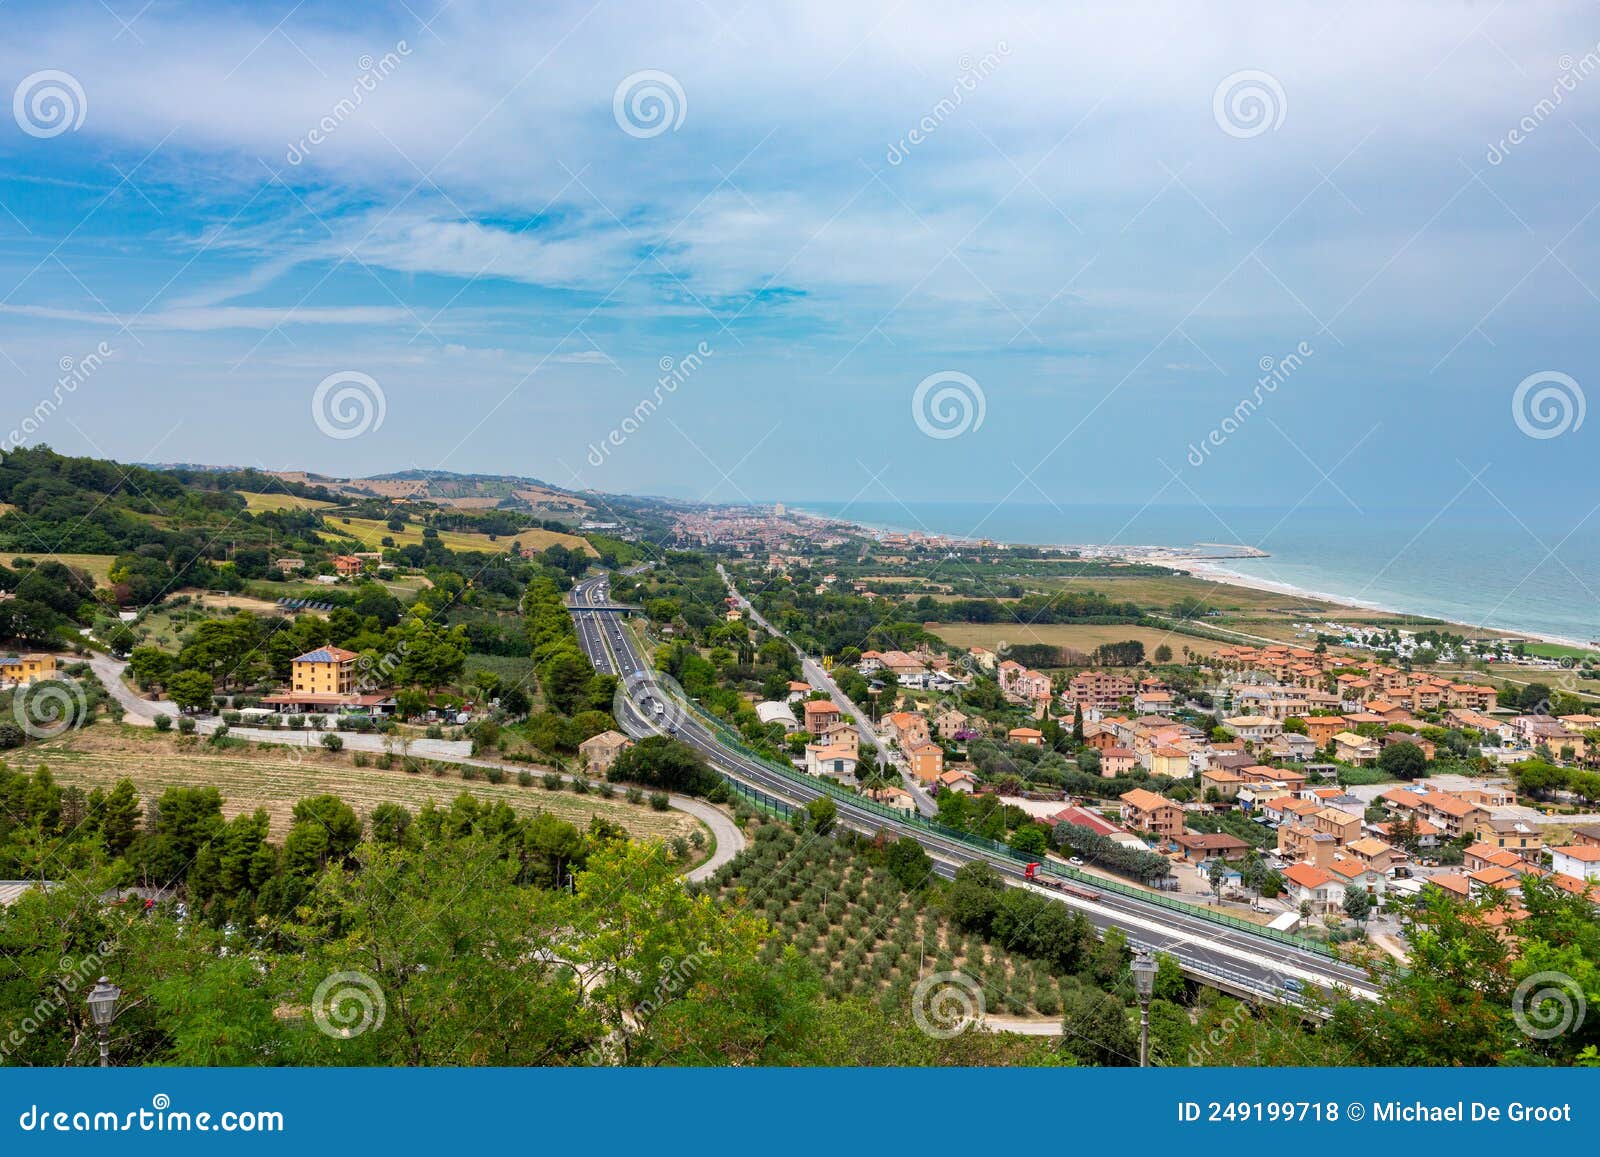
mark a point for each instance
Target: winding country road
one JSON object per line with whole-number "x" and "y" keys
{"x": 141, "y": 712}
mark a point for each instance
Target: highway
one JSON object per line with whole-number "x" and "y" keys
{"x": 1232, "y": 959}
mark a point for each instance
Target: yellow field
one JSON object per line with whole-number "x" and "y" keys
{"x": 281, "y": 502}
{"x": 99, "y": 565}
{"x": 1083, "y": 638}
{"x": 267, "y": 777}
{"x": 371, "y": 533}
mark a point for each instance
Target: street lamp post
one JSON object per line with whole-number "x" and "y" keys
{"x": 102, "y": 1001}
{"x": 1144, "y": 982}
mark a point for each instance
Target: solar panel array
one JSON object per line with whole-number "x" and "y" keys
{"x": 303, "y": 605}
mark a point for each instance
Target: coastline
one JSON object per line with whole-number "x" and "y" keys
{"x": 1209, "y": 572}
{"x": 1208, "y": 568}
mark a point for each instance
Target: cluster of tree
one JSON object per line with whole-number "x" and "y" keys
{"x": 230, "y": 871}
{"x": 662, "y": 762}
{"x": 410, "y": 650}
{"x": 1544, "y": 780}
{"x": 982, "y": 815}
{"x": 567, "y": 679}
{"x": 166, "y": 529}
{"x": 44, "y": 600}
{"x": 1103, "y": 851}
{"x": 49, "y": 706}
{"x": 978, "y": 900}
{"x": 1061, "y": 607}
{"x": 456, "y": 949}
{"x": 1464, "y": 999}
{"x": 1126, "y": 654}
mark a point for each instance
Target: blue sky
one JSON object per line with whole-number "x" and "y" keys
{"x": 1087, "y": 229}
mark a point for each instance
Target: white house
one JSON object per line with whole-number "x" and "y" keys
{"x": 1579, "y": 860}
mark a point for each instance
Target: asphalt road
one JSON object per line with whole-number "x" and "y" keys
{"x": 818, "y": 677}
{"x": 1233, "y": 959}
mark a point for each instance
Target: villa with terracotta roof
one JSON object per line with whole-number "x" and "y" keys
{"x": 1146, "y": 811}
{"x": 1316, "y": 887}
{"x": 819, "y": 713}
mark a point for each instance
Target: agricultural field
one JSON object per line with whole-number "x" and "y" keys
{"x": 1083, "y": 637}
{"x": 255, "y": 502}
{"x": 253, "y": 775}
{"x": 865, "y": 933}
{"x": 371, "y": 533}
{"x": 98, "y": 565}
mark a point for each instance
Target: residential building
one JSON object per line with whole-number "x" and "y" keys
{"x": 1321, "y": 729}
{"x": 325, "y": 671}
{"x": 1170, "y": 761}
{"x": 1581, "y": 861}
{"x": 1316, "y": 887}
{"x": 1115, "y": 761}
{"x": 1030, "y": 736}
{"x": 1198, "y": 847}
{"x": 951, "y": 724}
{"x": 1255, "y": 728}
{"x": 1099, "y": 690}
{"x": 1224, "y": 782}
{"x": 1303, "y": 844}
{"x": 820, "y": 713}
{"x": 957, "y": 779}
{"x": 926, "y": 761}
{"x": 599, "y": 752}
{"x": 1146, "y": 811}
{"x": 17, "y": 670}
{"x": 1509, "y": 833}
{"x": 1355, "y": 749}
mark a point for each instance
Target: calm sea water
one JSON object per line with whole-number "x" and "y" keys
{"x": 1477, "y": 566}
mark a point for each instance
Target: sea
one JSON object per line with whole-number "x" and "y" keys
{"x": 1483, "y": 567}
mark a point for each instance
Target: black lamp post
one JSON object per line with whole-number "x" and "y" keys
{"x": 102, "y": 1001}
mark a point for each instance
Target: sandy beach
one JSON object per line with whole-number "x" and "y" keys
{"x": 1211, "y": 572}
{"x": 1202, "y": 561}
